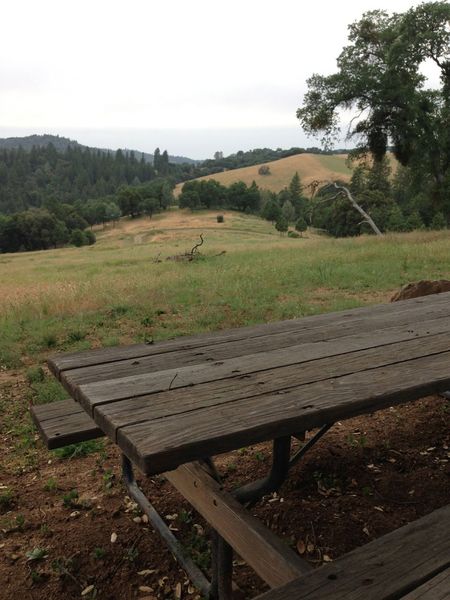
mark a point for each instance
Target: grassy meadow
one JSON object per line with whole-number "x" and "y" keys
{"x": 115, "y": 292}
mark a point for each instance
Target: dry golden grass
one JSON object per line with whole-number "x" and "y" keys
{"x": 308, "y": 166}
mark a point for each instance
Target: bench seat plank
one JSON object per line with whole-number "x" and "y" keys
{"x": 386, "y": 569}
{"x": 437, "y": 588}
{"x": 64, "y": 422}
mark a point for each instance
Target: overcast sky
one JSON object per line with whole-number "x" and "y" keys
{"x": 192, "y": 76}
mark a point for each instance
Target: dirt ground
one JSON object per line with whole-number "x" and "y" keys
{"x": 366, "y": 477}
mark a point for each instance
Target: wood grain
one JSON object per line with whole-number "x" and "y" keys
{"x": 92, "y": 394}
{"x": 386, "y": 569}
{"x": 112, "y": 416}
{"x": 63, "y": 362}
{"x": 437, "y": 588}
{"x": 270, "y": 558}
{"x": 64, "y": 422}
{"x": 229, "y": 349}
{"x": 165, "y": 443}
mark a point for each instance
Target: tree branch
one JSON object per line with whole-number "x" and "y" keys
{"x": 194, "y": 249}
{"x": 366, "y": 217}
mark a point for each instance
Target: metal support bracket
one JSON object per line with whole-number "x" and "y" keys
{"x": 220, "y": 587}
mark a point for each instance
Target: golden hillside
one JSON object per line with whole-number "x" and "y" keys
{"x": 308, "y": 166}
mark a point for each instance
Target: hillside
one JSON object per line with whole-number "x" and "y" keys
{"x": 124, "y": 290}
{"x": 308, "y": 166}
{"x": 62, "y": 143}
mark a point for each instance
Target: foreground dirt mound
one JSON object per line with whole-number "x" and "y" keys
{"x": 421, "y": 288}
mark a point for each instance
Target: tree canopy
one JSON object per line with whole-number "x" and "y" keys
{"x": 380, "y": 78}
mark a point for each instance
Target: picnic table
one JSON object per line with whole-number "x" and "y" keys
{"x": 172, "y": 406}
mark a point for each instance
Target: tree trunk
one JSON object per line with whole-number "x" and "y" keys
{"x": 361, "y": 211}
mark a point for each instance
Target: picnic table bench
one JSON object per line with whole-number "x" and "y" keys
{"x": 173, "y": 405}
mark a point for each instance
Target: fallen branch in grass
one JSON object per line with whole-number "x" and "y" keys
{"x": 194, "y": 249}
{"x": 188, "y": 256}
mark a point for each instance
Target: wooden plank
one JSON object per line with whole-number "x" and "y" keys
{"x": 64, "y": 422}
{"x": 270, "y": 558}
{"x": 386, "y": 569}
{"x": 63, "y": 362}
{"x": 398, "y": 324}
{"x": 166, "y": 443}
{"x": 112, "y": 416}
{"x": 138, "y": 385}
{"x": 437, "y": 588}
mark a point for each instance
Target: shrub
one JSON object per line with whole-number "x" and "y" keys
{"x": 301, "y": 225}
{"x": 77, "y": 238}
{"x": 396, "y": 220}
{"x": 90, "y": 237}
{"x": 35, "y": 375}
{"x": 220, "y": 219}
{"x": 438, "y": 222}
{"x": 282, "y": 225}
{"x": 264, "y": 170}
{"x": 293, "y": 234}
{"x": 6, "y": 499}
{"x": 414, "y": 221}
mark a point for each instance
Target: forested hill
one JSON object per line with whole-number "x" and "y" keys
{"x": 27, "y": 142}
{"x": 30, "y": 179}
{"x": 62, "y": 143}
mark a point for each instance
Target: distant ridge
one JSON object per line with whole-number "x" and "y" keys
{"x": 62, "y": 143}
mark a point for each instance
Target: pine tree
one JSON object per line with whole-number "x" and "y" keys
{"x": 282, "y": 225}
{"x": 295, "y": 187}
{"x": 157, "y": 159}
{"x": 164, "y": 163}
{"x": 271, "y": 210}
{"x": 301, "y": 225}
{"x": 438, "y": 222}
{"x": 396, "y": 220}
{"x": 288, "y": 211}
{"x": 414, "y": 221}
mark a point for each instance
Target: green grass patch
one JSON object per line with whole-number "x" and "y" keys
{"x": 7, "y": 499}
{"x": 79, "y": 450}
{"x": 47, "y": 390}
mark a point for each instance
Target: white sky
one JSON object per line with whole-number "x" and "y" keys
{"x": 192, "y": 76}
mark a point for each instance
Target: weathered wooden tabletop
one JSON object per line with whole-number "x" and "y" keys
{"x": 180, "y": 400}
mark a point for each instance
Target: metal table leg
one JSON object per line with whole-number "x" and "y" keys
{"x": 221, "y": 586}
{"x": 196, "y": 576}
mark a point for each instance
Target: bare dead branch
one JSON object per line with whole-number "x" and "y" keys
{"x": 344, "y": 190}
{"x": 366, "y": 217}
{"x": 194, "y": 249}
